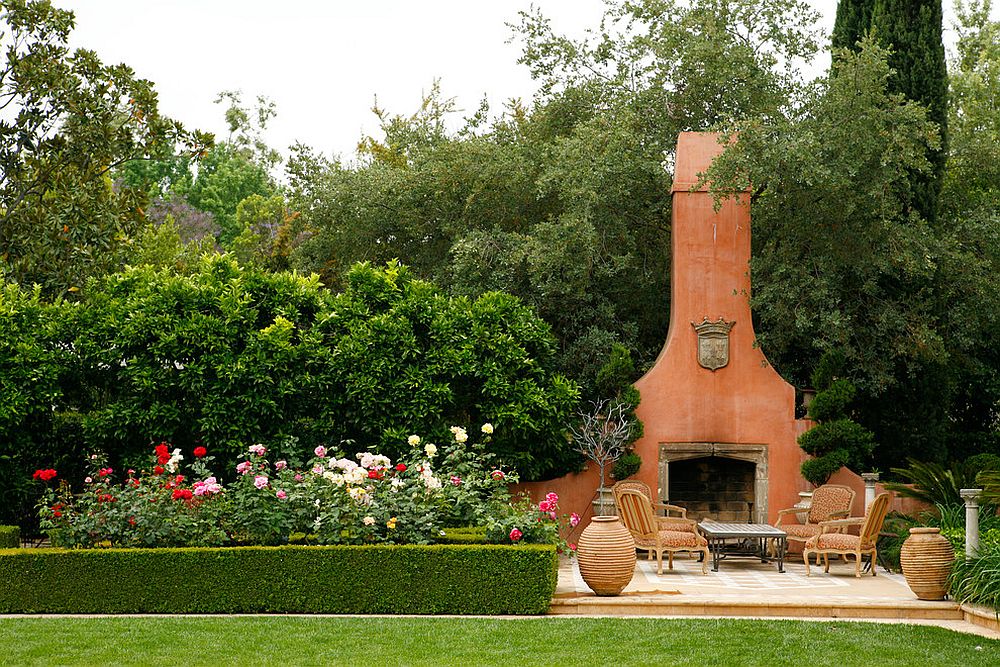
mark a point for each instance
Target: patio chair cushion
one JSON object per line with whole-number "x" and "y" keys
{"x": 840, "y": 541}
{"x": 672, "y": 523}
{"x": 800, "y": 530}
{"x": 673, "y": 539}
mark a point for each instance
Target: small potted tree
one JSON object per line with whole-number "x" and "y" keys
{"x": 602, "y": 435}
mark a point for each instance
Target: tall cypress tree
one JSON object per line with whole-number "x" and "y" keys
{"x": 913, "y": 29}
{"x": 854, "y": 20}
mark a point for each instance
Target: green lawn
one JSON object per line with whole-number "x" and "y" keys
{"x": 249, "y": 640}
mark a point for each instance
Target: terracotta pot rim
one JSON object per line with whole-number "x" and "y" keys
{"x": 924, "y": 531}
{"x": 604, "y": 519}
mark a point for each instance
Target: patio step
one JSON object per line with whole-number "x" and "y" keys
{"x": 676, "y": 604}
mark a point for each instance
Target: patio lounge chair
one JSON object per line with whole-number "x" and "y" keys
{"x": 636, "y": 512}
{"x": 665, "y": 522}
{"x": 831, "y": 541}
{"x": 830, "y": 501}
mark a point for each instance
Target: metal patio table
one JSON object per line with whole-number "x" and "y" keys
{"x": 744, "y": 539}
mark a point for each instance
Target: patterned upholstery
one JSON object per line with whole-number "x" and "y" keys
{"x": 672, "y": 538}
{"x": 672, "y": 523}
{"x": 801, "y": 529}
{"x": 840, "y": 541}
{"x": 828, "y": 500}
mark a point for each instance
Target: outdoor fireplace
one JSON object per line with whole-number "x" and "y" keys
{"x": 721, "y": 481}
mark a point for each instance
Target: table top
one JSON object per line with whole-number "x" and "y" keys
{"x": 716, "y": 529}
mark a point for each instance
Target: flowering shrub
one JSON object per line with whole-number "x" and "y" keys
{"x": 332, "y": 500}
{"x": 526, "y": 522}
{"x": 155, "y": 507}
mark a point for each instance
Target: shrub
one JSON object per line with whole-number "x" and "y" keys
{"x": 381, "y": 579}
{"x": 10, "y": 537}
{"x": 837, "y": 440}
{"x": 934, "y": 483}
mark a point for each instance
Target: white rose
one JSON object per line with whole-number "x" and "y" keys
{"x": 430, "y": 449}
{"x": 414, "y": 440}
{"x": 488, "y": 428}
{"x": 368, "y": 520}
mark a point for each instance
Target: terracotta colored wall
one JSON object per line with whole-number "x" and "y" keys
{"x": 746, "y": 401}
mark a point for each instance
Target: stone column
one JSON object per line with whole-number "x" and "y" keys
{"x": 971, "y": 497}
{"x": 870, "y": 479}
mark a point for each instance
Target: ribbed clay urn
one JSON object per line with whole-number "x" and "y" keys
{"x": 927, "y": 557}
{"x": 606, "y": 554}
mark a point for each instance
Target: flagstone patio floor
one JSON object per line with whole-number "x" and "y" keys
{"x": 745, "y": 587}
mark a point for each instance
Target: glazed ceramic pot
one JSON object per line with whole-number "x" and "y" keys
{"x": 606, "y": 555}
{"x": 926, "y": 558}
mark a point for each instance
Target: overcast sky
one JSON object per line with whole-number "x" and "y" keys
{"x": 324, "y": 61}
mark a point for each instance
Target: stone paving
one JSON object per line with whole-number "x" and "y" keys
{"x": 745, "y": 587}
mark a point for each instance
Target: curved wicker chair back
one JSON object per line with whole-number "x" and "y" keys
{"x": 874, "y": 517}
{"x": 636, "y": 512}
{"x": 830, "y": 501}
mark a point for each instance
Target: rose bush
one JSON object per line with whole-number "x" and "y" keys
{"x": 331, "y": 499}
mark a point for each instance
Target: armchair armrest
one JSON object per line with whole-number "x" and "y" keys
{"x": 840, "y": 524}
{"x": 791, "y": 510}
{"x": 671, "y": 508}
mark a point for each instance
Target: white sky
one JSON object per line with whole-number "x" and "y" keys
{"x": 324, "y": 61}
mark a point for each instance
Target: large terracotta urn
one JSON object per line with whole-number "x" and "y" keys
{"x": 927, "y": 558}
{"x": 606, "y": 554}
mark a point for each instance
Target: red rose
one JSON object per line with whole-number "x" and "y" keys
{"x": 401, "y": 467}
{"x": 162, "y": 455}
{"x": 200, "y": 452}
{"x": 158, "y": 470}
{"x": 374, "y": 474}
{"x": 44, "y": 475}
{"x": 182, "y": 494}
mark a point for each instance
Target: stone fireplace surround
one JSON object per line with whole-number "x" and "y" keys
{"x": 753, "y": 453}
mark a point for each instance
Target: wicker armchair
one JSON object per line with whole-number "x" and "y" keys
{"x": 665, "y": 522}
{"x": 636, "y": 512}
{"x": 831, "y": 540}
{"x": 830, "y": 501}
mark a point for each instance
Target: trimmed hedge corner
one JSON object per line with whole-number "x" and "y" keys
{"x": 382, "y": 579}
{"x": 10, "y": 537}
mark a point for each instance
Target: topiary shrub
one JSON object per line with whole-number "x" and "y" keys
{"x": 837, "y": 440}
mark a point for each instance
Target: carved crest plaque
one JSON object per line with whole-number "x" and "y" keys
{"x": 713, "y": 343}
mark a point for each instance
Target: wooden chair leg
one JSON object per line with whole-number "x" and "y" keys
{"x": 857, "y": 564}
{"x": 670, "y": 559}
{"x": 826, "y": 563}
{"x": 805, "y": 558}
{"x": 704, "y": 560}
{"x": 659, "y": 561}
{"x": 874, "y": 562}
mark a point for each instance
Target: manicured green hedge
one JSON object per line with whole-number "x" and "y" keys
{"x": 10, "y": 537}
{"x": 471, "y": 535}
{"x": 435, "y": 579}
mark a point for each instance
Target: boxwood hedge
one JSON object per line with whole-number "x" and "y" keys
{"x": 381, "y": 579}
{"x": 10, "y": 537}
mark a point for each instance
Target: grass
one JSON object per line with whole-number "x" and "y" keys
{"x": 297, "y": 640}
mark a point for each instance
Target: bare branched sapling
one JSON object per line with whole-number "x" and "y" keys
{"x": 602, "y": 434}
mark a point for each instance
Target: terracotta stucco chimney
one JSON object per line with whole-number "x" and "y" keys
{"x": 711, "y": 391}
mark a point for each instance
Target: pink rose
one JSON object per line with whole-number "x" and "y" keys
{"x": 552, "y": 515}
{"x": 258, "y": 449}
{"x": 317, "y": 469}
{"x": 515, "y": 535}
{"x": 260, "y": 481}
{"x": 243, "y": 468}
{"x": 544, "y": 506}
{"x": 497, "y": 475}
{"x": 574, "y": 519}
{"x": 572, "y": 546}
{"x": 88, "y": 480}
{"x": 281, "y": 495}
{"x": 552, "y": 498}
{"x": 320, "y": 451}
{"x": 457, "y": 481}
{"x": 280, "y": 465}
{"x": 298, "y": 477}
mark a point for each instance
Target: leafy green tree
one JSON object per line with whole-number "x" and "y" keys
{"x": 70, "y": 121}
{"x": 564, "y": 203}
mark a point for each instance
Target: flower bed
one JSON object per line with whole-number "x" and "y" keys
{"x": 374, "y": 579}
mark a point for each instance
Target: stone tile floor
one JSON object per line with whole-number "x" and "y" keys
{"x": 745, "y": 587}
